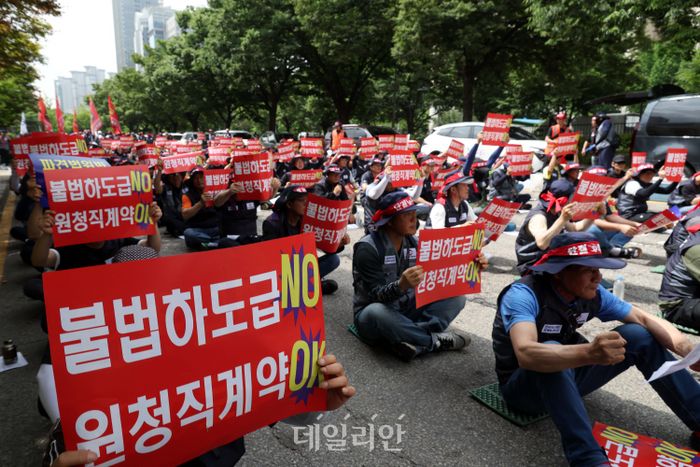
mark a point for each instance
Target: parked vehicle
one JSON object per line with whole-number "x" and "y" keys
{"x": 270, "y": 139}
{"x": 234, "y": 134}
{"x": 381, "y": 130}
{"x": 670, "y": 122}
{"x": 351, "y": 131}
{"x": 466, "y": 132}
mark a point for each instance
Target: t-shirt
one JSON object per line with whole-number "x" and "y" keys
{"x": 520, "y": 304}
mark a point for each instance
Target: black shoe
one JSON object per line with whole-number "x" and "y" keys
{"x": 328, "y": 286}
{"x": 404, "y": 351}
{"x": 630, "y": 252}
{"x": 695, "y": 441}
{"x": 450, "y": 340}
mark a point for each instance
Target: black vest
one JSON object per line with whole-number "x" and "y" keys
{"x": 679, "y": 234}
{"x": 678, "y": 282}
{"x": 526, "y": 249}
{"x": 393, "y": 264}
{"x": 206, "y": 217}
{"x": 556, "y": 321}
{"x": 630, "y": 205}
{"x": 239, "y": 217}
{"x": 453, "y": 216}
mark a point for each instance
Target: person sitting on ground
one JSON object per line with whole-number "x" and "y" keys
{"x": 544, "y": 365}
{"x": 168, "y": 190}
{"x": 330, "y": 186}
{"x": 690, "y": 223}
{"x": 375, "y": 168}
{"x": 618, "y": 170}
{"x": 239, "y": 218}
{"x": 686, "y": 195}
{"x": 547, "y": 219}
{"x": 680, "y": 288}
{"x": 428, "y": 167}
{"x": 632, "y": 201}
{"x": 385, "y": 276}
{"x": 298, "y": 162}
{"x": 452, "y": 209}
{"x": 286, "y": 220}
{"x": 382, "y": 185}
{"x": 201, "y": 217}
{"x": 503, "y": 186}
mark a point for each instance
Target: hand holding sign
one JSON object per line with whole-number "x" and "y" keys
{"x": 336, "y": 382}
{"x": 411, "y": 277}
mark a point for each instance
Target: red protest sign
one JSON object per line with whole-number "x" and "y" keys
{"x": 215, "y": 181}
{"x": 347, "y": 146}
{"x": 590, "y": 192}
{"x": 327, "y": 220}
{"x": 368, "y": 147}
{"x": 182, "y": 162}
{"x": 628, "y": 448}
{"x": 285, "y": 152}
{"x": 305, "y": 178}
{"x": 448, "y": 257}
{"x": 312, "y": 147}
{"x": 98, "y": 152}
{"x": 520, "y": 163}
{"x": 217, "y": 352}
{"x": 404, "y": 169}
{"x": 496, "y": 216}
{"x": 401, "y": 143}
{"x": 254, "y": 145}
{"x": 160, "y": 141}
{"x": 413, "y": 145}
{"x": 54, "y": 144}
{"x": 567, "y": 144}
{"x": 675, "y": 163}
{"x": 254, "y": 173}
{"x": 185, "y": 148}
{"x": 148, "y": 155}
{"x": 496, "y": 128}
{"x": 456, "y": 149}
{"x": 437, "y": 180}
{"x": 657, "y": 221}
{"x": 201, "y": 136}
{"x": 638, "y": 158}
{"x": 99, "y": 204}
{"x": 218, "y": 156}
{"x": 386, "y": 142}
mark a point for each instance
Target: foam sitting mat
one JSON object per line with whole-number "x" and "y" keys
{"x": 353, "y": 330}
{"x": 658, "y": 269}
{"x": 490, "y": 396}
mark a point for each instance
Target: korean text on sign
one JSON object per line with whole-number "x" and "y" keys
{"x": 44, "y": 163}
{"x": 53, "y": 144}
{"x": 254, "y": 173}
{"x": 520, "y": 163}
{"x": 496, "y": 216}
{"x": 496, "y": 128}
{"x": 327, "y": 220}
{"x": 448, "y": 257}
{"x": 305, "y": 178}
{"x": 215, "y": 181}
{"x": 100, "y": 204}
{"x": 675, "y": 164}
{"x": 404, "y": 169}
{"x": 590, "y": 192}
{"x": 567, "y": 144}
{"x": 215, "y": 353}
{"x": 181, "y": 162}
{"x": 658, "y": 220}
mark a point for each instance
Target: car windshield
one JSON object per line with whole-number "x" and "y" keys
{"x": 519, "y": 133}
{"x": 355, "y": 132}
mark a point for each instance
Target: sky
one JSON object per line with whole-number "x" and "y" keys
{"x": 83, "y": 36}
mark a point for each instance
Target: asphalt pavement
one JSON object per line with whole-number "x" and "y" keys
{"x": 426, "y": 399}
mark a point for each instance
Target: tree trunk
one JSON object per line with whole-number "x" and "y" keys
{"x": 272, "y": 115}
{"x": 468, "y": 78}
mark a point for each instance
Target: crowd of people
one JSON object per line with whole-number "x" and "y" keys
{"x": 542, "y": 362}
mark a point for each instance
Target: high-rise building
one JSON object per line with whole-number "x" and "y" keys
{"x": 150, "y": 26}
{"x": 124, "y": 13}
{"x": 72, "y": 91}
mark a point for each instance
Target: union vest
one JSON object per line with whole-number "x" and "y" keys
{"x": 630, "y": 205}
{"x": 556, "y": 321}
{"x": 393, "y": 264}
{"x": 205, "y": 218}
{"x": 453, "y": 216}
{"x": 678, "y": 282}
{"x": 526, "y": 249}
{"x": 679, "y": 233}
{"x": 239, "y": 217}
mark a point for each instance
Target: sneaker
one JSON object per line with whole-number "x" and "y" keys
{"x": 695, "y": 441}
{"x": 328, "y": 286}
{"x": 630, "y": 252}
{"x": 450, "y": 340}
{"x": 404, "y": 351}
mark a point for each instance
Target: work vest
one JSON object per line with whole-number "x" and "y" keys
{"x": 556, "y": 129}
{"x": 526, "y": 250}
{"x": 239, "y": 217}
{"x": 556, "y": 321}
{"x": 453, "y": 216}
{"x": 507, "y": 190}
{"x": 205, "y": 218}
{"x": 393, "y": 264}
{"x": 630, "y": 205}
{"x": 678, "y": 282}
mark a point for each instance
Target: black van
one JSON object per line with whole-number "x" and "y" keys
{"x": 670, "y": 122}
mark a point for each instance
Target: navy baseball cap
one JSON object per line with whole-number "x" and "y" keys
{"x": 392, "y": 204}
{"x": 574, "y": 248}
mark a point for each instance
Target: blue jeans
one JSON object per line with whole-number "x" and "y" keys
{"x": 194, "y": 237}
{"x": 328, "y": 263}
{"x": 381, "y": 324}
{"x": 609, "y": 238}
{"x": 561, "y": 393}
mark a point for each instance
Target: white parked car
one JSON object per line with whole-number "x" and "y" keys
{"x": 465, "y": 133}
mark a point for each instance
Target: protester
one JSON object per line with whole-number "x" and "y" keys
{"x": 544, "y": 365}
{"x": 618, "y": 170}
{"x": 330, "y": 186}
{"x": 201, "y": 220}
{"x": 505, "y": 187}
{"x": 453, "y": 208}
{"x": 690, "y": 223}
{"x": 337, "y": 133}
{"x": 680, "y": 288}
{"x": 606, "y": 140}
{"x": 298, "y": 162}
{"x": 168, "y": 190}
{"x": 686, "y": 195}
{"x": 384, "y": 279}
{"x": 240, "y": 217}
{"x": 554, "y": 131}
{"x": 632, "y": 201}
{"x": 591, "y": 136}
{"x": 381, "y": 186}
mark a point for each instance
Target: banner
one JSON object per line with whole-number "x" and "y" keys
{"x": 305, "y": 178}
{"x": 496, "y": 128}
{"x": 60, "y": 123}
{"x": 675, "y": 163}
{"x": 254, "y": 145}
{"x": 254, "y": 172}
{"x": 456, "y": 149}
{"x": 43, "y": 119}
{"x": 184, "y": 148}
{"x": 185, "y": 357}
{"x": 218, "y": 156}
{"x": 312, "y": 147}
{"x": 98, "y": 152}
{"x": 215, "y": 181}
{"x": 401, "y": 143}
{"x": 626, "y": 448}
{"x": 100, "y": 204}
{"x": 368, "y": 147}
{"x": 413, "y": 145}
{"x": 148, "y": 155}
{"x": 285, "y": 152}
{"x": 386, "y": 142}
{"x": 437, "y": 180}
{"x": 590, "y": 192}
{"x": 95, "y": 121}
{"x": 448, "y": 257}
{"x": 182, "y": 162}
{"x": 638, "y": 158}
{"x": 327, "y": 220}
{"x": 161, "y": 141}
{"x": 53, "y": 144}
{"x": 496, "y": 216}
{"x": 567, "y": 144}
{"x": 113, "y": 117}
{"x": 347, "y": 146}
{"x": 520, "y": 163}
{"x": 76, "y": 127}
{"x": 404, "y": 169}
{"x": 658, "y": 220}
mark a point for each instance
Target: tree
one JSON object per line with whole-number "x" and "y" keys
{"x": 16, "y": 96}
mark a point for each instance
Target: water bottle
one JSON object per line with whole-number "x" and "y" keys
{"x": 619, "y": 287}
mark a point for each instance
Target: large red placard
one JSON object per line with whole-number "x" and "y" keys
{"x": 328, "y": 220}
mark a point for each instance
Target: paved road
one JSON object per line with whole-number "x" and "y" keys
{"x": 443, "y": 425}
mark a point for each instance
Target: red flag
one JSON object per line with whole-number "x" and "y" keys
{"x": 113, "y": 118}
{"x": 59, "y": 117}
{"x": 42, "y": 116}
{"x": 76, "y": 128}
{"x": 95, "y": 122}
